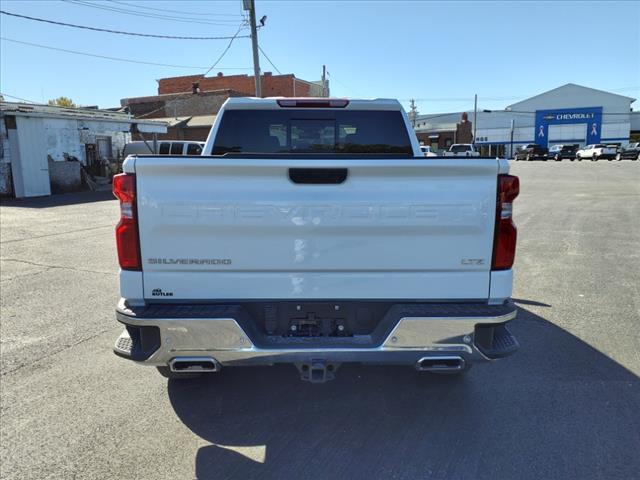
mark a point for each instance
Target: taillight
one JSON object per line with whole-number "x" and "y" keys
{"x": 504, "y": 241}
{"x": 313, "y": 102}
{"x": 127, "y": 239}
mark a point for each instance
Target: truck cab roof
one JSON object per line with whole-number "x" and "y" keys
{"x": 254, "y": 103}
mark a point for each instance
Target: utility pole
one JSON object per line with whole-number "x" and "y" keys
{"x": 511, "y": 149}
{"x": 324, "y": 80}
{"x": 413, "y": 113}
{"x": 254, "y": 44}
{"x": 475, "y": 117}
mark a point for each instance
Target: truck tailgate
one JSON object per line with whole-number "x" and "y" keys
{"x": 214, "y": 228}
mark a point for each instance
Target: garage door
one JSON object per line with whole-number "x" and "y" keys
{"x": 568, "y": 133}
{"x": 30, "y": 169}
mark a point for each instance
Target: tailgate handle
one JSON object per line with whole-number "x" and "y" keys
{"x": 318, "y": 176}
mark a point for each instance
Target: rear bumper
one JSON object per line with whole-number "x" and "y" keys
{"x": 159, "y": 334}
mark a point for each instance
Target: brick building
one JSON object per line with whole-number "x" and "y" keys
{"x": 189, "y": 103}
{"x": 442, "y": 135}
{"x": 272, "y": 85}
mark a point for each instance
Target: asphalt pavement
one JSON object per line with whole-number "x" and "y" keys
{"x": 566, "y": 406}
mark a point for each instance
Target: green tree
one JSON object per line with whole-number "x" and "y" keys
{"x": 62, "y": 102}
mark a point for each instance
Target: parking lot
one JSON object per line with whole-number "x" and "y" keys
{"x": 566, "y": 406}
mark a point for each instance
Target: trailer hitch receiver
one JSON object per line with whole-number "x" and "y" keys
{"x": 317, "y": 371}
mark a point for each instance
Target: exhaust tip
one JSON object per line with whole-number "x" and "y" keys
{"x": 194, "y": 364}
{"x": 441, "y": 363}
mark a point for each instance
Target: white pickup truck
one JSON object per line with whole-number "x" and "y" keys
{"x": 314, "y": 232}
{"x": 462, "y": 150}
{"x": 596, "y": 151}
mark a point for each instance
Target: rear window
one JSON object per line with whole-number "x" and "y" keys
{"x": 460, "y": 148}
{"x": 194, "y": 149}
{"x": 312, "y": 131}
{"x": 176, "y": 148}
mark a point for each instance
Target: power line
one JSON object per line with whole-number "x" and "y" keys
{"x": 150, "y": 15}
{"x": 175, "y": 99}
{"x": 333, "y": 79}
{"x": 117, "y": 59}
{"x": 441, "y": 99}
{"x": 18, "y": 98}
{"x": 115, "y": 31}
{"x": 269, "y": 60}
{"x": 177, "y": 11}
{"x": 205, "y": 74}
{"x": 523, "y": 112}
{"x": 511, "y": 97}
{"x": 428, "y": 116}
{"x": 225, "y": 51}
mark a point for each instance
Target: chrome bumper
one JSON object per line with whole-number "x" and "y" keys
{"x": 224, "y": 340}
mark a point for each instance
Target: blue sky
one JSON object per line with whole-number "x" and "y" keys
{"x": 440, "y": 53}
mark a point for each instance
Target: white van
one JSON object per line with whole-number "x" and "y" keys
{"x": 165, "y": 147}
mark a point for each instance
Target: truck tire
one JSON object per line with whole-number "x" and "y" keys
{"x": 618, "y": 157}
{"x": 167, "y": 373}
{"x": 557, "y": 158}
{"x": 578, "y": 157}
{"x": 594, "y": 158}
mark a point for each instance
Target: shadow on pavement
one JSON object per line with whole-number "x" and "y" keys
{"x": 58, "y": 200}
{"x": 521, "y": 301}
{"x": 557, "y": 409}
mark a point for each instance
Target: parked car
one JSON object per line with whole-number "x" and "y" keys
{"x": 533, "y": 151}
{"x": 428, "y": 152}
{"x": 462, "y": 150}
{"x": 630, "y": 152}
{"x": 269, "y": 248}
{"x": 165, "y": 147}
{"x": 560, "y": 152}
{"x": 595, "y": 152}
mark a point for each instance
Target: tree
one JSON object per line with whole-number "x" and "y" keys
{"x": 62, "y": 102}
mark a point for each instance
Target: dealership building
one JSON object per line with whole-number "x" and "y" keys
{"x": 570, "y": 114}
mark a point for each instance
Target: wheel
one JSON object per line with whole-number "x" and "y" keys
{"x": 594, "y": 158}
{"x": 578, "y": 157}
{"x": 167, "y": 373}
{"x": 528, "y": 158}
{"x": 618, "y": 157}
{"x": 557, "y": 158}
{"x": 638, "y": 156}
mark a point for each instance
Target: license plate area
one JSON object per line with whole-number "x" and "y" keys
{"x": 319, "y": 319}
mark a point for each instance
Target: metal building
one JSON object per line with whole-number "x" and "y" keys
{"x": 44, "y": 148}
{"x": 568, "y": 114}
